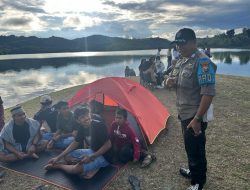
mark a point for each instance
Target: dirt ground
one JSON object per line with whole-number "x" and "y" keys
{"x": 228, "y": 142}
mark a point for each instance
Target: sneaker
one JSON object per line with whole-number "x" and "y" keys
{"x": 185, "y": 172}
{"x": 194, "y": 187}
{"x": 148, "y": 160}
{"x": 159, "y": 87}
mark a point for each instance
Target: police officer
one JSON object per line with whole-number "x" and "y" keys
{"x": 195, "y": 89}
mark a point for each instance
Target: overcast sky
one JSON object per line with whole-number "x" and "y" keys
{"x": 121, "y": 18}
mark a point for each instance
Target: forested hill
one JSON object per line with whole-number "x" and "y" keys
{"x": 19, "y": 45}
{"x": 24, "y": 45}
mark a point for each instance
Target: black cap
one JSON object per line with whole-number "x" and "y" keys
{"x": 184, "y": 35}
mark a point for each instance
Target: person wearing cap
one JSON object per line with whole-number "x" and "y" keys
{"x": 65, "y": 126}
{"x": 20, "y": 137}
{"x": 195, "y": 89}
{"x": 48, "y": 114}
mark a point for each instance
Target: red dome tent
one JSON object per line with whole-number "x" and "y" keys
{"x": 148, "y": 111}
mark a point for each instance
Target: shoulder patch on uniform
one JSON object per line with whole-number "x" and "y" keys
{"x": 205, "y": 71}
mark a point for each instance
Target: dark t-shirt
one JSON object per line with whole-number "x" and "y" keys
{"x": 98, "y": 135}
{"x": 49, "y": 115}
{"x": 65, "y": 124}
{"x": 145, "y": 65}
{"x": 21, "y": 134}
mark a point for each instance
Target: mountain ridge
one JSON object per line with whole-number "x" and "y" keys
{"x": 27, "y": 45}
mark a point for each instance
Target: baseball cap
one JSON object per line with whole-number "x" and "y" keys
{"x": 45, "y": 99}
{"x": 184, "y": 35}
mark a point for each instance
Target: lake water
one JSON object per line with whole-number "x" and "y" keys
{"x": 23, "y": 77}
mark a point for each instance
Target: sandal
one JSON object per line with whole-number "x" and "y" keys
{"x": 134, "y": 182}
{"x": 148, "y": 160}
{"x": 42, "y": 187}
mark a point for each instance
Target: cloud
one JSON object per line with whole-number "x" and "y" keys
{"x": 80, "y": 22}
{"x": 33, "y": 6}
{"x": 16, "y": 22}
{"x": 132, "y": 18}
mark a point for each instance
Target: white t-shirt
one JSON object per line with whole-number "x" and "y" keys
{"x": 175, "y": 54}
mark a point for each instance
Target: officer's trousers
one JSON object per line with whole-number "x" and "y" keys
{"x": 196, "y": 152}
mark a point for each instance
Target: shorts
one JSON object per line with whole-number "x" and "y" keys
{"x": 98, "y": 163}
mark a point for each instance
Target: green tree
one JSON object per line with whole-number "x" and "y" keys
{"x": 230, "y": 33}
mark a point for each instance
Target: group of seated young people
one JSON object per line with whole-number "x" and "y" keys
{"x": 151, "y": 71}
{"x": 86, "y": 142}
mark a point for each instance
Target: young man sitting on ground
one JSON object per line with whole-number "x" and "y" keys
{"x": 49, "y": 114}
{"x": 125, "y": 142}
{"x": 65, "y": 133}
{"x": 20, "y": 137}
{"x": 85, "y": 162}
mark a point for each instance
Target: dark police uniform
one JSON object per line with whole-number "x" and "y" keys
{"x": 195, "y": 78}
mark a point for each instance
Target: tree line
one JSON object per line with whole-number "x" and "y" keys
{"x": 22, "y": 45}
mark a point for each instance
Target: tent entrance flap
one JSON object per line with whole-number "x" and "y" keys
{"x": 105, "y": 100}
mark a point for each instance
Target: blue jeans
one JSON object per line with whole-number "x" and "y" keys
{"x": 63, "y": 143}
{"x": 47, "y": 136}
{"x": 98, "y": 163}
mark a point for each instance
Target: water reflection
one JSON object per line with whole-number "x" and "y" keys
{"x": 23, "y": 79}
{"x": 243, "y": 57}
{"x": 47, "y": 75}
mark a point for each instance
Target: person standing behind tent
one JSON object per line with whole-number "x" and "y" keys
{"x": 158, "y": 54}
{"x": 20, "y": 137}
{"x": 149, "y": 71}
{"x": 175, "y": 56}
{"x": 49, "y": 114}
{"x": 195, "y": 89}
{"x": 169, "y": 56}
{"x": 1, "y": 126}
{"x": 65, "y": 127}
{"x": 159, "y": 69}
{"x": 207, "y": 52}
{"x": 125, "y": 142}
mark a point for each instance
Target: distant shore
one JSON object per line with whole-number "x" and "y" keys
{"x": 227, "y": 143}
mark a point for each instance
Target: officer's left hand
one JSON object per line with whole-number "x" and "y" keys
{"x": 196, "y": 126}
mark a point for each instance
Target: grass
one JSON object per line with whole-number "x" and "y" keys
{"x": 228, "y": 144}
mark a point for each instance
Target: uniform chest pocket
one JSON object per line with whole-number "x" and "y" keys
{"x": 186, "y": 78}
{"x": 187, "y": 73}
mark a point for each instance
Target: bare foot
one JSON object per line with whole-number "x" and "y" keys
{"x": 34, "y": 155}
{"x": 49, "y": 167}
{"x": 90, "y": 174}
{"x": 50, "y": 145}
